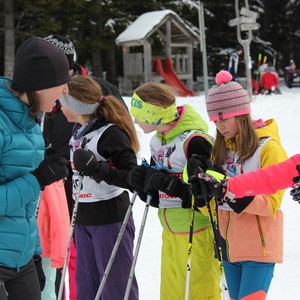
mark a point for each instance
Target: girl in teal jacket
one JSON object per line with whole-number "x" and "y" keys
{"x": 40, "y": 77}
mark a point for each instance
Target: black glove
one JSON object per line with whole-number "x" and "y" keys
{"x": 295, "y": 192}
{"x": 136, "y": 177}
{"x": 238, "y": 205}
{"x": 85, "y": 162}
{"x": 40, "y": 272}
{"x": 51, "y": 169}
{"x": 216, "y": 189}
{"x": 206, "y": 186}
{"x": 198, "y": 163}
{"x": 171, "y": 185}
{"x": 219, "y": 190}
{"x": 49, "y": 150}
{"x": 197, "y": 192}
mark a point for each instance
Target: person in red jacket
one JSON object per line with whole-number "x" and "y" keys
{"x": 269, "y": 81}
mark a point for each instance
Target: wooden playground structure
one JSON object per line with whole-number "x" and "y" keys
{"x": 172, "y": 63}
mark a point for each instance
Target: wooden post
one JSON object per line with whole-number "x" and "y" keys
{"x": 189, "y": 81}
{"x": 125, "y": 66}
{"x": 147, "y": 62}
{"x": 168, "y": 39}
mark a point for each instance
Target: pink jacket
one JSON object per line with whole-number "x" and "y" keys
{"x": 267, "y": 180}
{"x": 54, "y": 223}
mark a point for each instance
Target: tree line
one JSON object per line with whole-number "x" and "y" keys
{"x": 94, "y": 25}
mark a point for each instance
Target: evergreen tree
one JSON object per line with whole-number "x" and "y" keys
{"x": 94, "y": 25}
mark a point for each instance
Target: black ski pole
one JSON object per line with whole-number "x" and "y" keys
{"x": 217, "y": 247}
{"x": 67, "y": 256}
{"x": 190, "y": 248}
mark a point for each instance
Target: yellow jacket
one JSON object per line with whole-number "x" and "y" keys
{"x": 256, "y": 234}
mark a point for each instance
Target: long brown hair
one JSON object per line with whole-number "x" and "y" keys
{"x": 246, "y": 142}
{"x": 34, "y": 105}
{"x": 87, "y": 90}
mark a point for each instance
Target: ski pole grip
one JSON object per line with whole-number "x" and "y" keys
{"x": 146, "y": 166}
{"x": 145, "y": 163}
{"x": 202, "y": 185}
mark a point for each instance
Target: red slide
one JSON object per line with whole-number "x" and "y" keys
{"x": 166, "y": 70}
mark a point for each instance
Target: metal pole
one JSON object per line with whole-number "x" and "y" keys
{"x": 38, "y": 205}
{"x": 203, "y": 47}
{"x": 248, "y": 66}
{"x": 137, "y": 247}
{"x": 116, "y": 246}
{"x": 246, "y": 47}
{"x": 73, "y": 220}
{"x": 190, "y": 248}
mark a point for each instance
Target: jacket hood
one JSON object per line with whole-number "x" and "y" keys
{"x": 188, "y": 119}
{"x": 268, "y": 128}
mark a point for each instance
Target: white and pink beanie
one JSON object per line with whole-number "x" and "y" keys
{"x": 227, "y": 99}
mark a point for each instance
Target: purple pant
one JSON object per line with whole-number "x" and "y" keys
{"x": 94, "y": 245}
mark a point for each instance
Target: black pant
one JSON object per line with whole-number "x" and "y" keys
{"x": 22, "y": 284}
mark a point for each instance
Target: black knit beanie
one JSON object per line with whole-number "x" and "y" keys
{"x": 65, "y": 44}
{"x": 39, "y": 65}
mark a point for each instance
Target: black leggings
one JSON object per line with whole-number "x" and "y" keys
{"x": 20, "y": 285}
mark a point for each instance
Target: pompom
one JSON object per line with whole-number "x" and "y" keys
{"x": 223, "y": 77}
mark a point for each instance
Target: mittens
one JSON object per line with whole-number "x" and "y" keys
{"x": 85, "y": 162}
{"x": 50, "y": 170}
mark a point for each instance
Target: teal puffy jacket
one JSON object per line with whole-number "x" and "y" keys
{"x": 21, "y": 151}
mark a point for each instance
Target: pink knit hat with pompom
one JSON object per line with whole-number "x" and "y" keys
{"x": 227, "y": 99}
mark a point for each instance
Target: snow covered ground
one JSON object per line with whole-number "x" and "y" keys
{"x": 285, "y": 109}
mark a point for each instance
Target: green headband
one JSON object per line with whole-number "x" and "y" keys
{"x": 152, "y": 114}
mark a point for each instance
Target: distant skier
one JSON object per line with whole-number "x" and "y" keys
{"x": 234, "y": 62}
